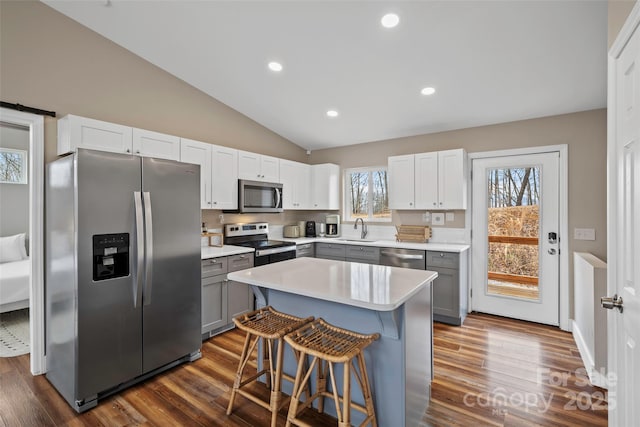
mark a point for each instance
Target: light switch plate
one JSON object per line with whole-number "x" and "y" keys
{"x": 449, "y": 216}
{"x": 584, "y": 234}
{"x": 437, "y": 218}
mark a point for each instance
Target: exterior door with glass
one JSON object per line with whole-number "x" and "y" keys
{"x": 515, "y": 241}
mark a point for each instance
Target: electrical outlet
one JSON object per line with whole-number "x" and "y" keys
{"x": 426, "y": 217}
{"x": 437, "y": 218}
{"x": 221, "y": 218}
{"x": 449, "y": 216}
{"x": 584, "y": 234}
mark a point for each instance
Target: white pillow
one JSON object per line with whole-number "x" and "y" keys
{"x": 12, "y": 248}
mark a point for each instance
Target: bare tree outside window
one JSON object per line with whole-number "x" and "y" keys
{"x": 13, "y": 166}
{"x": 368, "y": 195}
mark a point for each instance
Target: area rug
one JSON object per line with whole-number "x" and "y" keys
{"x": 14, "y": 333}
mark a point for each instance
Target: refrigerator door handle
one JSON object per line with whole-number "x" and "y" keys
{"x": 148, "y": 271}
{"x": 137, "y": 289}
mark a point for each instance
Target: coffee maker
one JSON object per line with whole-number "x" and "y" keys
{"x": 333, "y": 225}
{"x": 310, "y": 229}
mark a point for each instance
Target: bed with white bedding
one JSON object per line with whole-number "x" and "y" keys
{"x": 14, "y": 285}
{"x": 15, "y": 270}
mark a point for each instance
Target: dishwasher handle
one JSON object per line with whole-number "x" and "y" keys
{"x": 401, "y": 256}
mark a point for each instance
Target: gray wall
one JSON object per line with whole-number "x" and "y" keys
{"x": 14, "y": 198}
{"x": 618, "y": 11}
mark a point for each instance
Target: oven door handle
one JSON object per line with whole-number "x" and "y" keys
{"x": 265, "y": 252}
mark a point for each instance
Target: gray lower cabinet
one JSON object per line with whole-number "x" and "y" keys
{"x": 366, "y": 254}
{"x": 331, "y": 251}
{"x": 352, "y": 253}
{"x": 305, "y": 249}
{"x": 449, "y": 288}
{"x": 223, "y": 299}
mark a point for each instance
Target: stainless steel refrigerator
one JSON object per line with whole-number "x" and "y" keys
{"x": 122, "y": 271}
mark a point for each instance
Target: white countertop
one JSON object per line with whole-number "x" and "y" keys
{"x": 442, "y": 247}
{"x": 226, "y": 250}
{"x": 373, "y": 287}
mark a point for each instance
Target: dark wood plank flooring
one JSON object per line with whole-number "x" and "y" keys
{"x": 490, "y": 371}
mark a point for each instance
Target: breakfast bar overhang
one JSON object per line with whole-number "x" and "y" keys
{"x": 393, "y": 301}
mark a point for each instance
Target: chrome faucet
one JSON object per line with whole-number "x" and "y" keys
{"x": 363, "y": 233}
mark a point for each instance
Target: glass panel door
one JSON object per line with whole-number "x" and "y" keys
{"x": 513, "y": 228}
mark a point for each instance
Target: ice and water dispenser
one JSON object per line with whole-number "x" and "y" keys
{"x": 110, "y": 256}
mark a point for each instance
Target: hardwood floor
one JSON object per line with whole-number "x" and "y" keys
{"x": 490, "y": 371}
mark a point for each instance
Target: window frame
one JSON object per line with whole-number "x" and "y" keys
{"x": 24, "y": 155}
{"x": 346, "y": 214}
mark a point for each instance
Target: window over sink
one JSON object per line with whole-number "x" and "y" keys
{"x": 366, "y": 192}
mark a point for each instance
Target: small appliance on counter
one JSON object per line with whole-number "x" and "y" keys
{"x": 291, "y": 231}
{"x": 310, "y": 229}
{"x": 332, "y": 225}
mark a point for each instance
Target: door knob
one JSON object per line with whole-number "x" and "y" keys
{"x": 552, "y": 251}
{"x": 610, "y": 303}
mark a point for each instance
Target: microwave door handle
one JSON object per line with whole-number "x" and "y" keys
{"x": 277, "y": 191}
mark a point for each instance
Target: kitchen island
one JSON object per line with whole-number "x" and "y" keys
{"x": 392, "y": 301}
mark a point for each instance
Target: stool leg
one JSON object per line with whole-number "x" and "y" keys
{"x": 366, "y": 390}
{"x": 346, "y": 396}
{"x": 321, "y": 384}
{"x": 267, "y": 355}
{"x": 336, "y": 398}
{"x": 276, "y": 394}
{"x": 238, "y": 379}
{"x": 295, "y": 394}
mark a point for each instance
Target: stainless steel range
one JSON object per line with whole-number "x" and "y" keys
{"x": 256, "y": 236}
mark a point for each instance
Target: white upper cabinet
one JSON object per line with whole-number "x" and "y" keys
{"x": 428, "y": 180}
{"x": 199, "y": 153}
{"x": 224, "y": 170}
{"x": 296, "y": 183}
{"x": 218, "y": 173}
{"x": 452, "y": 179}
{"x": 154, "y": 144}
{"x": 400, "y": 170}
{"x": 325, "y": 186}
{"x": 257, "y": 167}
{"x": 80, "y": 132}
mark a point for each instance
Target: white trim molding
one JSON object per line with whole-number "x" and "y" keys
{"x": 563, "y": 205}
{"x": 35, "y": 124}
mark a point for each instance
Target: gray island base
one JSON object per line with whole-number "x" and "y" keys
{"x": 392, "y": 301}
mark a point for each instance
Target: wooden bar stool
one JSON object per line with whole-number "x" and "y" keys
{"x": 327, "y": 345}
{"x": 271, "y": 326}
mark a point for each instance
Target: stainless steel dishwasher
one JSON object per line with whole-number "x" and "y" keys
{"x": 407, "y": 258}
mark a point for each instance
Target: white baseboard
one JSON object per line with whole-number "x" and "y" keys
{"x": 597, "y": 378}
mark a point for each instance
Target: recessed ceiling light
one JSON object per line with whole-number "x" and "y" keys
{"x": 390, "y": 20}
{"x": 275, "y": 66}
{"x": 332, "y": 113}
{"x": 428, "y": 91}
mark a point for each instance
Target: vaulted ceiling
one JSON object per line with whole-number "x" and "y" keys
{"x": 488, "y": 61}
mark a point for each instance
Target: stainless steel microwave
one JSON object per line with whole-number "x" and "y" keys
{"x": 257, "y": 196}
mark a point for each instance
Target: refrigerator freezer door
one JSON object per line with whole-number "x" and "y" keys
{"x": 109, "y": 325}
{"x": 171, "y": 321}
